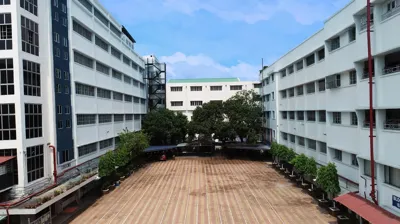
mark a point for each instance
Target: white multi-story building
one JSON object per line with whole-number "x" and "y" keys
{"x": 185, "y": 95}
{"x": 316, "y": 98}
{"x": 70, "y": 78}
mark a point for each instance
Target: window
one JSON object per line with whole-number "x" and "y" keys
{"x": 284, "y": 136}
{"x": 65, "y": 43}
{"x": 58, "y": 88}
{"x": 299, "y": 65}
{"x": 105, "y": 118}
{"x": 56, "y": 37}
{"x": 136, "y": 100}
{"x": 290, "y": 69}
{"x": 81, "y": 30}
{"x": 64, "y": 8}
{"x": 117, "y": 96}
{"x": 268, "y": 114}
{"x": 86, "y": 4}
{"x": 34, "y": 162}
{"x": 60, "y": 124}
{"x": 300, "y": 90}
{"x": 127, "y": 79}
{"x": 268, "y": 96}
{"x": 106, "y": 143}
{"x": 118, "y": 117}
{"x": 312, "y": 144}
{"x": 135, "y": 66}
{"x": 321, "y": 85}
{"x": 354, "y": 161}
{"x": 116, "y": 53}
{"x": 65, "y": 55}
{"x": 291, "y": 115}
{"x": 391, "y": 5}
{"x": 284, "y": 115}
{"x": 7, "y": 124}
{"x": 143, "y": 101}
{"x": 322, "y": 147}
{"x": 100, "y": 16}
{"x": 102, "y": 68}
{"x": 196, "y": 88}
{"x": 58, "y": 73}
{"x": 321, "y": 54}
{"x": 64, "y": 21}
{"x": 59, "y": 109}
{"x": 283, "y": 73}
{"x": 115, "y": 30}
{"x": 82, "y": 89}
{"x": 7, "y": 77}
{"x": 273, "y": 115}
{"x": 65, "y": 156}
{"x": 56, "y": 18}
{"x": 101, "y": 43}
{"x": 273, "y": 95}
{"x": 267, "y": 81}
{"x": 215, "y": 88}
{"x": 335, "y": 43}
{"x": 310, "y": 115}
{"x": 116, "y": 75}
{"x": 33, "y": 121}
{"x": 293, "y": 138}
{"x": 87, "y": 149}
{"x": 352, "y": 34}
{"x": 67, "y": 123}
{"x": 126, "y": 60}
{"x": 283, "y": 94}
{"x": 176, "y": 88}
{"x": 354, "y": 120}
{"x": 353, "y": 77}
{"x": 337, "y": 117}
{"x": 176, "y": 103}
{"x": 136, "y": 116}
{"x": 66, "y": 89}
{"x": 291, "y": 92}
{"x": 367, "y": 168}
{"x": 310, "y": 87}
{"x": 30, "y": 36}
{"x": 85, "y": 119}
{"x": 57, "y": 53}
{"x": 4, "y": 2}
{"x": 322, "y": 116}
{"x": 337, "y": 154}
{"x": 55, "y": 2}
{"x": 236, "y": 87}
{"x": 67, "y": 110}
{"x": 128, "y": 98}
{"x": 196, "y": 103}
{"x": 392, "y": 176}
{"x": 66, "y": 75}
{"x": 300, "y": 115}
{"x": 310, "y": 60}
{"x": 28, "y": 5}
{"x": 5, "y": 31}
{"x": 83, "y": 60}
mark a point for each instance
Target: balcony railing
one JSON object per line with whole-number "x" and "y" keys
{"x": 391, "y": 12}
{"x": 392, "y": 69}
{"x": 392, "y": 124}
{"x": 366, "y": 124}
{"x": 365, "y": 75}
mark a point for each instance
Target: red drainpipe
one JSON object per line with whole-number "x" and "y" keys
{"x": 54, "y": 163}
{"x": 371, "y": 116}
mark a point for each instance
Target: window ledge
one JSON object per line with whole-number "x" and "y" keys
{"x": 391, "y": 74}
{"x": 391, "y": 131}
{"x": 391, "y": 186}
{"x": 85, "y": 125}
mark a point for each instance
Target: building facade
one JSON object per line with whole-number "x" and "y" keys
{"x": 70, "y": 79}
{"x": 185, "y": 95}
{"x": 316, "y": 98}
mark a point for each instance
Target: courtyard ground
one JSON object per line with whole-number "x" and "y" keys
{"x": 205, "y": 190}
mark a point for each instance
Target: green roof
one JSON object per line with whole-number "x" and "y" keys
{"x": 203, "y": 80}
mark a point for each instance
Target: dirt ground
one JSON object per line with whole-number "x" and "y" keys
{"x": 205, "y": 190}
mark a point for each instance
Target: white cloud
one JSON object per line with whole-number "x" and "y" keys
{"x": 180, "y": 65}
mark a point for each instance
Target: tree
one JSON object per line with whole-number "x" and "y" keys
{"x": 133, "y": 142}
{"x": 107, "y": 164}
{"x": 328, "y": 180}
{"x": 165, "y": 127}
{"x": 299, "y": 163}
{"x": 244, "y": 113}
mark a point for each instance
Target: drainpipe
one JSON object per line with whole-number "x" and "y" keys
{"x": 54, "y": 163}
{"x": 371, "y": 117}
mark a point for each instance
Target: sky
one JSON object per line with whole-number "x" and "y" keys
{"x": 220, "y": 38}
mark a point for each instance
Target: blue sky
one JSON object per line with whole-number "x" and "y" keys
{"x": 220, "y": 38}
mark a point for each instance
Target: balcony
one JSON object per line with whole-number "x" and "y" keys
{"x": 365, "y": 74}
{"x": 392, "y": 120}
{"x": 392, "y": 63}
{"x": 366, "y": 122}
{"x": 363, "y": 21}
{"x": 6, "y": 172}
{"x": 391, "y": 12}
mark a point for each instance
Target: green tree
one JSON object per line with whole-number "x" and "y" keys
{"x": 133, "y": 142}
{"x": 165, "y": 127}
{"x": 107, "y": 164}
{"x": 244, "y": 113}
{"x": 299, "y": 162}
{"x": 328, "y": 180}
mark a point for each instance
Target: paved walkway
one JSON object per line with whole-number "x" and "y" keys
{"x": 205, "y": 190}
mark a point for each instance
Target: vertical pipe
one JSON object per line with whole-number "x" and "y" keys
{"x": 371, "y": 115}
{"x": 54, "y": 163}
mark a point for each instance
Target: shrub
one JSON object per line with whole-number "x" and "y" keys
{"x": 327, "y": 179}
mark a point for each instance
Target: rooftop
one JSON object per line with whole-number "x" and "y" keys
{"x": 204, "y": 80}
